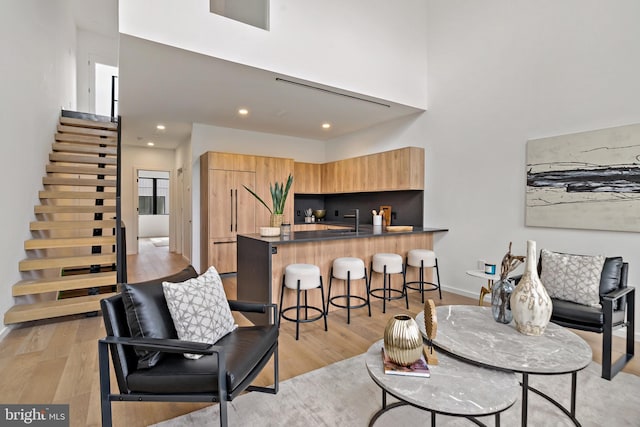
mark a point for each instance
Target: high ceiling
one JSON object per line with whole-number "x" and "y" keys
{"x": 159, "y": 84}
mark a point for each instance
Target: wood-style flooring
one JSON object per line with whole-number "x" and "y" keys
{"x": 56, "y": 361}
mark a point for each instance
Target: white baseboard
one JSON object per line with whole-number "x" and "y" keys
{"x": 5, "y": 331}
{"x": 622, "y": 332}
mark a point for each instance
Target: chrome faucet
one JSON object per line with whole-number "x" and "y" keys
{"x": 356, "y": 215}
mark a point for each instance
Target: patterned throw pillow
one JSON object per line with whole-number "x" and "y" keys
{"x": 573, "y": 278}
{"x": 199, "y": 309}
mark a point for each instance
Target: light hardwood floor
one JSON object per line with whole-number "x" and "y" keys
{"x": 56, "y": 361}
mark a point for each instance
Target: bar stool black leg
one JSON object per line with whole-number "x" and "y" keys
{"x": 421, "y": 278}
{"x": 281, "y": 298}
{"x": 438, "y": 277}
{"x": 348, "y": 297}
{"x": 367, "y": 284}
{"x": 329, "y": 293}
{"x": 404, "y": 286}
{"x": 298, "y": 311}
{"x": 306, "y": 306}
{"x": 384, "y": 289}
{"x": 326, "y": 311}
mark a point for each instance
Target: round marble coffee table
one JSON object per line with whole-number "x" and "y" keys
{"x": 470, "y": 334}
{"x": 455, "y": 388}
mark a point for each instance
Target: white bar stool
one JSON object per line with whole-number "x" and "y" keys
{"x": 388, "y": 264}
{"x": 302, "y": 277}
{"x": 348, "y": 269}
{"x": 423, "y": 258}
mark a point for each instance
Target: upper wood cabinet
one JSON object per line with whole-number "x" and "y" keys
{"x": 401, "y": 169}
{"x": 308, "y": 177}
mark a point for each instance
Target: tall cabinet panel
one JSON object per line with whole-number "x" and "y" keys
{"x": 228, "y": 209}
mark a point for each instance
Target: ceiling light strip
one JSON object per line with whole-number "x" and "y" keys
{"x": 331, "y": 91}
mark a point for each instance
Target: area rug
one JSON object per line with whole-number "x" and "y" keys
{"x": 160, "y": 241}
{"x": 343, "y": 394}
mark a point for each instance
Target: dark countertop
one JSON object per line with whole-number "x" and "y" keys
{"x": 365, "y": 231}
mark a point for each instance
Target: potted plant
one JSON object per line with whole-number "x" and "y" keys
{"x": 279, "y": 192}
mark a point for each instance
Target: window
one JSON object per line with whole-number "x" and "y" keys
{"x": 153, "y": 196}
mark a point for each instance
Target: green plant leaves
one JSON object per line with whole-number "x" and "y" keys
{"x": 279, "y": 193}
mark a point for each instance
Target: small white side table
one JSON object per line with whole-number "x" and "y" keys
{"x": 490, "y": 278}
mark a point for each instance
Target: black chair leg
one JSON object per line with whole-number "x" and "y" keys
{"x": 105, "y": 384}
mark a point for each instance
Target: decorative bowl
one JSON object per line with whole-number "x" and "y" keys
{"x": 319, "y": 213}
{"x": 269, "y": 231}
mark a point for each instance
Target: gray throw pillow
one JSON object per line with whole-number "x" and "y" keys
{"x": 199, "y": 309}
{"x": 574, "y": 278}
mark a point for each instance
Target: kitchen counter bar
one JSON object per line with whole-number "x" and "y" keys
{"x": 262, "y": 260}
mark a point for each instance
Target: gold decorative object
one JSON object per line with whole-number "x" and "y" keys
{"x": 402, "y": 340}
{"x": 431, "y": 327}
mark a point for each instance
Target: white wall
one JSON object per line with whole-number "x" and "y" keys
{"x": 37, "y": 41}
{"x": 503, "y": 72}
{"x": 153, "y": 226}
{"x": 373, "y": 47}
{"x": 91, "y": 48}
{"x": 214, "y": 138}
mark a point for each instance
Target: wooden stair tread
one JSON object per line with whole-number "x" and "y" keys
{"x": 86, "y": 139}
{"x": 66, "y": 147}
{"x": 87, "y": 131}
{"x": 78, "y": 182}
{"x": 81, "y": 170}
{"x": 69, "y": 242}
{"x": 43, "y": 263}
{"x": 95, "y": 124}
{"x": 75, "y": 158}
{"x": 80, "y": 209}
{"x": 56, "y": 308}
{"x": 71, "y": 225}
{"x": 63, "y": 283}
{"x": 93, "y": 195}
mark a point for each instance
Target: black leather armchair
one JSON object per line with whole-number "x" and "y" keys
{"x": 617, "y": 310}
{"x": 227, "y": 368}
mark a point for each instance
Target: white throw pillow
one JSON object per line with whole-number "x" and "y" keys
{"x": 199, "y": 309}
{"x": 574, "y": 278}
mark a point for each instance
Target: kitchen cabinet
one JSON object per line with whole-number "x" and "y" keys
{"x": 308, "y": 177}
{"x": 228, "y": 209}
{"x": 401, "y": 169}
{"x": 270, "y": 170}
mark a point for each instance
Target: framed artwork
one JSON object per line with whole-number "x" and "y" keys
{"x": 587, "y": 180}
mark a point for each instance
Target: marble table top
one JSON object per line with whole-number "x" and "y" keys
{"x": 482, "y": 275}
{"x": 455, "y": 387}
{"x": 470, "y": 333}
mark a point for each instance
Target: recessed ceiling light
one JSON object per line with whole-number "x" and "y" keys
{"x": 326, "y": 125}
{"x": 160, "y": 127}
{"x": 150, "y": 144}
{"x": 243, "y": 111}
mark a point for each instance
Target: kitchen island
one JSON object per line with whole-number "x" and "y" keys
{"x": 262, "y": 260}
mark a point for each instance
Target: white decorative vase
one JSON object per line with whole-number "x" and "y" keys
{"x": 530, "y": 302}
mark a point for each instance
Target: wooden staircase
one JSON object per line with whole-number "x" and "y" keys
{"x": 71, "y": 259}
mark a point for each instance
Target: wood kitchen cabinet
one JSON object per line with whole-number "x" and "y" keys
{"x": 401, "y": 169}
{"x": 308, "y": 177}
{"x": 228, "y": 209}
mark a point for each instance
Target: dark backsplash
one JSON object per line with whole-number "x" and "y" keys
{"x": 406, "y": 206}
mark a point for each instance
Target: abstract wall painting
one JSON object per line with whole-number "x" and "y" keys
{"x": 587, "y": 180}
